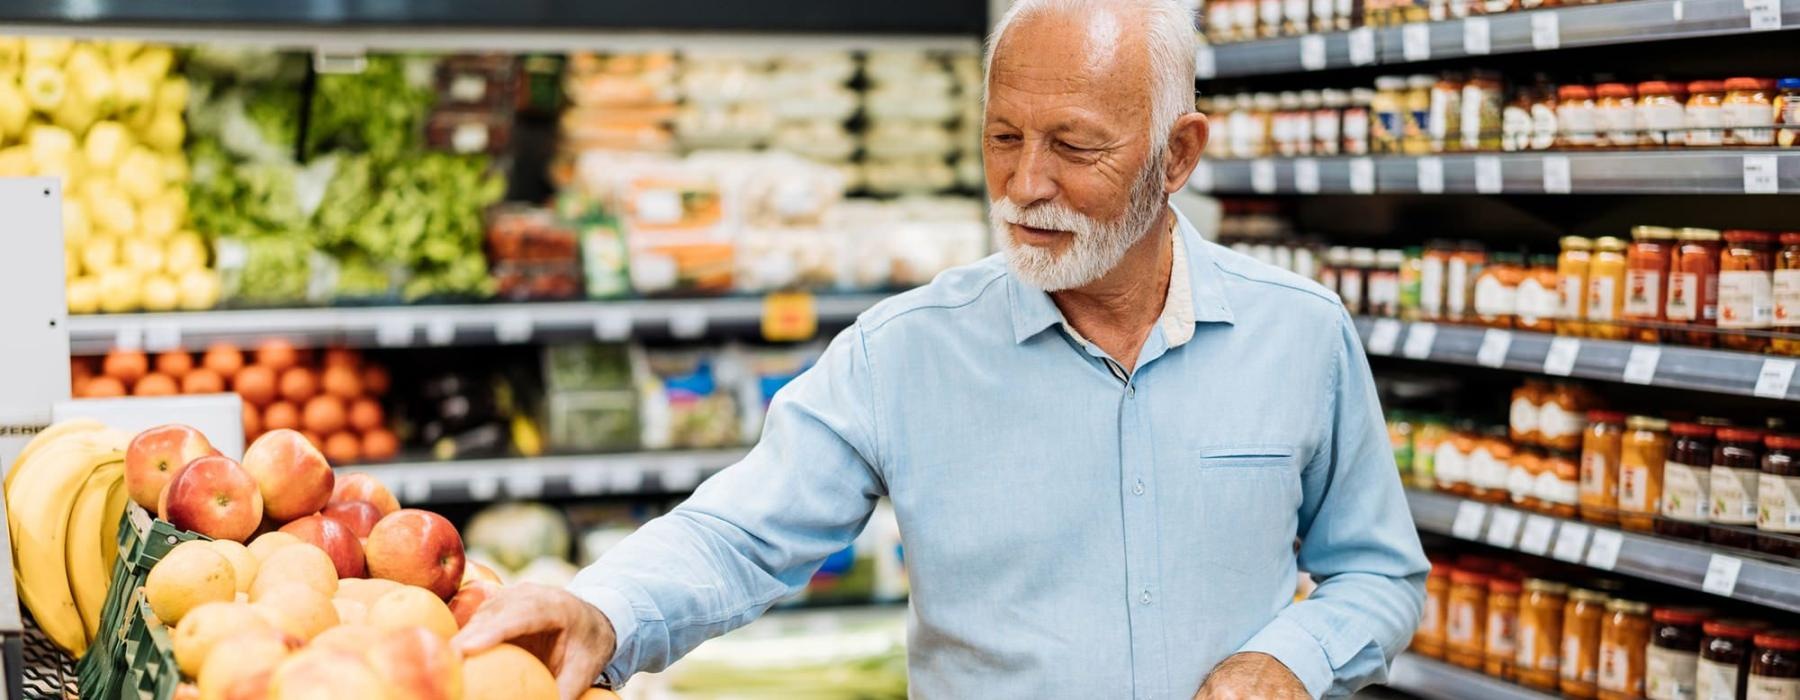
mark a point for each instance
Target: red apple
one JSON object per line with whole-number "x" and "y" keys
{"x": 469, "y": 598}
{"x": 418, "y": 548}
{"x": 359, "y": 516}
{"x": 362, "y": 487}
{"x": 214, "y": 497}
{"x": 336, "y": 538}
{"x": 476, "y": 571}
{"x": 295, "y": 479}
{"x": 417, "y": 665}
{"x": 157, "y": 453}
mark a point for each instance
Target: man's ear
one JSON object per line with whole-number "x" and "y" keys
{"x": 1187, "y": 141}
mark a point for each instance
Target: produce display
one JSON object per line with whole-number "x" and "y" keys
{"x": 923, "y": 122}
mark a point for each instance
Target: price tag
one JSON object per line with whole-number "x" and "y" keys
{"x": 789, "y": 317}
{"x": 1362, "y": 175}
{"x": 1765, "y": 15}
{"x": 626, "y": 479}
{"x": 587, "y": 481}
{"x": 1431, "y": 175}
{"x": 1312, "y": 52}
{"x": 1535, "y": 539}
{"x": 1419, "y": 340}
{"x": 513, "y": 328}
{"x": 1384, "y": 337}
{"x": 129, "y": 337}
{"x": 393, "y": 332}
{"x": 1640, "y": 366}
{"x": 483, "y": 487}
{"x": 1571, "y": 542}
{"x": 1469, "y": 517}
{"x": 1476, "y": 37}
{"x": 1262, "y": 176}
{"x": 612, "y": 325}
{"x": 1603, "y": 554}
{"x": 1772, "y": 382}
{"x": 1202, "y": 179}
{"x": 1676, "y": 10}
{"x": 1415, "y": 41}
{"x": 417, "y": 490}
{"x": 1560, "y": 360}
{"x": 1721, "y": 574}
{"x": 1556, "y": 175}
{"x": 440, "y": 330}
{"x": 1487, "y": 174}
{"x": 525, "y": 482}
{"x": 1503, "y": 528}
{"x": 1206, "y": 66}
{"x": 687, "y": 322}
{"x": 1362, "y": 46}
{"x": 1760, "y": 176}
{"x": 1546, "y": 35}
{"x": 162, "y": 337}
{"x": 1306, "y": 176}
{"x": 681, "y": 477}
{"x": 1494, "y": 344}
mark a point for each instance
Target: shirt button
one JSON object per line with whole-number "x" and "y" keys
{"x": 1145, "y": 597}
{"x": 1138, "y": 488}
{"x": 1131, "y": 391}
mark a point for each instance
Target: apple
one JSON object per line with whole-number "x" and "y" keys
{"x": 214, "y": 497}
{"x": 477, "y": 571}
{"x": 362, "y": 487}
{"x": 419, "y": 548}
{"x": 417, "y": 665}
{"x": 325, "y": 673}
{"x": 295, "y": 479}
{"x": 359, "y": 516}
{"x": 155, "y": 454}
{"x": 470, "y": 598}
{"x": 335, "y": 538}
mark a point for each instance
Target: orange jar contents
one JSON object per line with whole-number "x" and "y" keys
{"x": 1601, "y": 446}
{"x": 1559, "y": 486}
{"x": 1641, "y": 456}
{"x": 1465, "y": 619}
{"x": 1746, "y": 289}
{"x": 1429, "y": 639}
{"x": 1522, "y": 421}
{"x": 1500, "y": 652}
{"x": 1579, "y": 671}
{"x": 1646, "y": 265}
{"x": 1787, "y": 296}
{"x": 1562, "y": 416}
{"x": 1572, "y": 285}
{"x": 1693, "y": 298}
{"x": 1606, "y": 290}
{"x": 1540, "y": 633}
{"x": 1521, "y": 478}
{"x": 1489, "y": 465}
{"x": 1624, "y": 635}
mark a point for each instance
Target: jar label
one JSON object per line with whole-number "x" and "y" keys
{"x": 1444, "y": 104}
{"x": 1501, "y": 630}
{"x": 1746, "y": 299}
{"x": 1766, "y": 688}
{"x": 1384, "y": 292}
{"x": 1456, "y": 287}
{"x": 1615, "y": 668}
{"x": 1643, "y": 293}
{"x": 1524, "y": 416}
{"x": 1431, "y": 286}
{"x": 1460, "y": 628}
{"x": 1787, "y": 298}
{"x": 1536, "y": 302}
{"x": 1472, "y": 102}
{"x": 1684, "y": 297}
{"x": 1485, "y": 471}
{"x": 1601, "y": 292}
{"x": 1594, "y": 466}
{"x": 1451, "y": 465}
{"x": 1706, "y": 125}
{"x": 1543, "y": 127}
{"x": 1669, "y": 674}
{"x": 1571, "y": 658}
{"x": 1618, "y": 124}
{"x": 1520, "y": 483}
{"x": 1295, "y": 11}
{"x": 1551, "y": 489}
{"x": 1433, "y": 621}
{"x": 1270, "y": 12}
{"x": 1515, "y": 129}
{"x": 1568, "y": 292}
{"x": 1738, "y": 115}
{"x": 1662, "y": 123}
{"x": 1685, "y": 491}
{"x": 1734, "y": 495}
{"x": 1715, "y": 681}
{"x": 1778, "y": 503}
{"x": 1634, "y": 488}
{"x": 1350, "y": 287}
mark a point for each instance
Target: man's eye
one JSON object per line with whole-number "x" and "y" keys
{"x": 1072, "y": 148}
{"x": 1004, "y": 138}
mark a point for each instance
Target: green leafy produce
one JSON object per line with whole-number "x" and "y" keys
{"x": 380, "y": 111}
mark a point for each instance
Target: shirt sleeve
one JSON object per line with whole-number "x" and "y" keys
{"x": 1357, "y": 540}
{"x": 754, "y": 533}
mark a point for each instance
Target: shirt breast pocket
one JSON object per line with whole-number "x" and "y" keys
{"x": 1249, "y": 502}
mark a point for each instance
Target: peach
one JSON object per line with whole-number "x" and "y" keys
{"x": 156, "y": 454}
{"x": 202, "y": 628}
{"x": 335, "y": 539}
{"x": 186, "y": 691}
{"x": 239, "y": 657}
{"x": 243, "y": 563}
{"x": 411, "y": 606}
{"x": 359, "y": 516}
{"x": 417, "y": 665}
{"x": 325, "y": 674}
{"x": 350, "y": 611}
{"x": 507, "y": 672}
{"x": 298, "y": 610}
{"x": 190, "y": 575}
{"x": 349, "y": 636}
{"x": 265, "y": 544}
{"x": 295, "y": 479}
{"x": 301, "y": 563}
{"x": 477, "y": 571}
{"x": 362, "y": 487}
{"x": 419, "y": 548}
{"x": 470, "y": 599}
{"x": 214, "y": 497}
{"x": 365, "y": 590}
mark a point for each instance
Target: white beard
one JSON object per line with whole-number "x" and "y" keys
{"x": 1097, "y": 246}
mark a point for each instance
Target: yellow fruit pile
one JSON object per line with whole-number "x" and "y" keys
{"x": 106, "y": 117}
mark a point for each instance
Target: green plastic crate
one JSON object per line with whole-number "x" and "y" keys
{"x": 132, "y": 656}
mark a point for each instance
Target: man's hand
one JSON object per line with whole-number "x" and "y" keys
{"x": 1252, "y": 675}
{"x": 572, "y": 637}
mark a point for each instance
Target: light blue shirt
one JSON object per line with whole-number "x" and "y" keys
{"x": 1069, "y": 533}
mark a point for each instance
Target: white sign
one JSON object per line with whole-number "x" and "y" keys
{"x": 162, "y": 337}
{"x": 1476, "y": 37}
{"x": 440, "y": 330}
{"x": 1556, "y": 175}
{"x": 1503, "y": 528}
{"x": 1772, "y": 382}
{"x": 1306, "y": 176}
{"x": 525, "y": 482}
{"x": 687, "y": 323}
{"x": 1312, "y": 52}
{"x": 1677, "y": 10}
{"x": 1262, "y": 176}
{"x": 1494, "y": 344}
{"x": 1760, "y": 175}
{"x": 612, "y": 326}
{"x": 1205, "y": 65}
{"x": 1765, "y": 15}
{"x": 1362, "y": 46}
{"x": 1487, "y": 174}
{"x": 393, "y": 332}
{"x": 1202, "y": 179}
{"x": 483, "y": 487}
{"x": 1536, "y": 537}
{"x": 513, "y": 328}
{"x": 1469, "y": 516}
{"x": 1721, "y": 575}
{"x": 1431, "y": 174}
{"x": 1640, "y": 366}
{"x": 1571, "y": 542}
{"x": 129, "y": 337}
{"x": 1415, "y": 41}
{"x": 1384, "y": 336}
{"x": 1603, "y": 554}
{"x": 1419, "y": 340}
{"x": 1560, "y": 360}
{"x": 1545, "y": 34}
{"x": 1362, "y": 175}
{"x": 587, "y": 481}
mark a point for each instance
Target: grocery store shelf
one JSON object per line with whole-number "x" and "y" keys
{"x": 1694, "y": 566}
{"x": 1671, "y": 366}
{"x": 1736, "y": 171}
{"x": 485, "y": 480}
{"x": 1435, "y": 680}
{"x": 1635, "y": 21}
{"x": 426, "y": 326}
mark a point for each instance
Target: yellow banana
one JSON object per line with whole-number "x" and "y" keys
{"x": 49, "y": 435}
{"x": 88, "y": 573}
{"x": 39, "y": 503}
{"x": 118, "y": 498}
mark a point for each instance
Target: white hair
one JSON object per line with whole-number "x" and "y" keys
{"x": 1168, "y": 33}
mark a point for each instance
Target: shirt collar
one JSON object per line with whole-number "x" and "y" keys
{"x": 1194, "y": 279}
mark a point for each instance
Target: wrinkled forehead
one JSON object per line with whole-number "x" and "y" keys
{"x": 1091, "y": 57}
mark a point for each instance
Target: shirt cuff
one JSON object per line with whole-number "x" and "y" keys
{"x": 1295, "y": 648}
{"x": 617, "y": 609}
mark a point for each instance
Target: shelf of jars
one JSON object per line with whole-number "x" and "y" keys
{"x": 1430, "y": 678}
{"x": 1732, "y": 573}
{"x": 1477, "y": 33}
{"x": 1652, "y": 364}
{"x": 1672, "y": 171}
{"x": 437, "y": 326}
{"x": 548, "y": 477}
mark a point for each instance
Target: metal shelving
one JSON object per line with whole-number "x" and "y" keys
{"x": 1735, "y": 171}
{"x": 1695, "y": 566}
{"x": 1435, "y": 680}
{"x": 1627, "y": 22}
{"x": 482, "y": 481}
{"x": 429, "y": 326}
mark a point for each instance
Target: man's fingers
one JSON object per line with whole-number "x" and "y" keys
{"x": 576, "y": 677}
{"x": 501, "y": 619}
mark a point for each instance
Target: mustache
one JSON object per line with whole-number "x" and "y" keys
{"x": 1051, "y": 216}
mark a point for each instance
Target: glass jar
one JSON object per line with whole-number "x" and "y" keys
{"x": 1746, "y": 288}
{"x": 1387, "y": 125}
{"x": 1496, "y": 295}
{"x": 1545, "y": 131}
{"x": 1575, "y": 117}
{"x": 1778, "y": 497}
{"x": 1787, "y": 112}
{"x": 1615, "y": 115}
{"x": 1500, "y": 652}
{"x": 1562, "y": 416}
{"x": 1661, "y": 114}
{"x": 1538, "y": 302}
{"x": 1465, "y": 621}
{"x": 1646, "y": 262}
{"x": 1736, "y": 467}
{"x": 1749, "y": 111}
{"x": 1444, "y": 117}
{"x": 1464, "y": 267}
{"x": 1583, "y": 616}
{"x": 1726, "y": 648}
{"x": 1516, "y": 124}
{"x": 1775, "y": 670}
{"x": 1606, "y": 290}
{"x": 1268, "y": 18}
{"x": 1672, "y": 660}
{"x": 1522, "y": 420}
{"x": 1429, "y": 639}
{"x": 1786, "y": 293}
{"x": 1521, "y": 479}
{"x": 1540, "y": 633}
{"x": 1482, "y": 100}
{"x": 1353, "y": 280}
{"x": 1412, "y": 269}
{"x": 1384, "y": 284}
{"x": 1687, "y": 482}
{"x": 1331, "y": 276}
{"x": 1432, "y": 269}
{"x": 1489, "y": 464}
{"x": 1559, "y": 487}
{"x": 1601, "y": 446}
{"x": 1624, "y": 635}
{"x": 1417, "y": 140}
{"x": 1452, "y": 462}
{"x": 1571, "y": 284}
{"x": 1705, "y": 113}
{"x": 1693, "y": 298}
{"x": 1358, "y": 118}
{"x": 1428, "y": 438}
{"x": 1326, "y": 119}
{"x": 1641, "y": 456}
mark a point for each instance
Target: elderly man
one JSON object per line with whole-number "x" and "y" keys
{"x": 1101, "y": 445}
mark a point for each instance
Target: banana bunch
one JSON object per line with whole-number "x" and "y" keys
{"x": 64, "y": 497}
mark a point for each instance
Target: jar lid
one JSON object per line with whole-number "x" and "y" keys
{"x": 1700, "y": 86}
{"x": 1422, "y": 80}
{"x": 1679, "y": 616}
{"x": 1514, "y": 259}
{"x": 1782, "y": 442}
{"x": 1544, "y": 585}
{"x": 1501, "y": 584}
{"x": 1609, "y": 243}
{"x": 1784, "y": 640}
{"x": 1659, "y": 87}
{"x": 1629, "y": 607}
{"x": 1390, "y": 82}
{"x": 1744, "y": 236}
{"x": 1788, "y": 83}
{"x": 1390, "y": 258}
{"x": 1748, "y": 83}
{"x": 1603, "y": 416}
{"x": 1465, "y": 577}
{"x": 1586, "y": 595}
{"x": 1646, "y": 423}
{"x": 1577, "y": 243}
{"x": 1691, "y": 430}
{"x": 1574, "y": 92}
{"x": 1790, "y": 237}
{"x": 1364, "y": 257}
{"x": 1698, "y": 234}
{"x": 1361, "y": 96}
{"x": 1654, "y": 233}
{"x": 1735, "y": 434}
{"x": 1732, "y": 628}
{"x": 1613, "y": 90}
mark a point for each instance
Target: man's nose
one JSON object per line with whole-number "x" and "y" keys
{"x": 1034, "y": 181}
